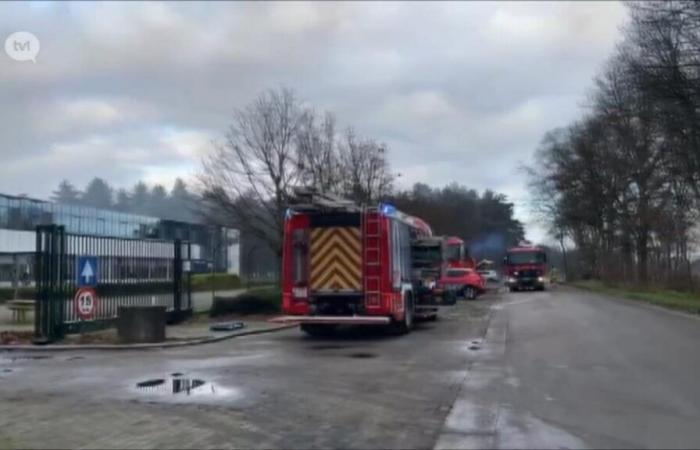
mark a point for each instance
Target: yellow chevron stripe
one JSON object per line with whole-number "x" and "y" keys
{"x": 335, "y": 282}
{"x": 353, "y": 275}
{"x": 336, "y": 248}
{"x": 335, "y": 262}
{"x": 336, "y": 258}
{"x": 320, "y": 242}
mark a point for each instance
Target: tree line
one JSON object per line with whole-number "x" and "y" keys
{"x": 278, "y": 142}
{"x": 622, "y": 182}
{"x": 484, "y": 221}
{"x": 178, "y": 204}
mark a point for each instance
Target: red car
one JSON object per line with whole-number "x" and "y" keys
{"x": 467, "y": 282}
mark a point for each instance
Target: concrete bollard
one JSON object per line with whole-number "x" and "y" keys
{"x": 141, "y": 324}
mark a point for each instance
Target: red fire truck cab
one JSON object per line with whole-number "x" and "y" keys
{"x": 348, "y": 264}
{"x": 525, "y": 266}
{"x": 457, "y": 254}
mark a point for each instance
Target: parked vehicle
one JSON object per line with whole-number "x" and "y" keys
{"x": 467, "y": 282}
{"x": 348, "y": 264}
{"x": 489, "y": 275}
{"x": 525, "y": 267}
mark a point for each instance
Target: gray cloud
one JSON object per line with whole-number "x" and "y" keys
{"x": 460, "y": 91}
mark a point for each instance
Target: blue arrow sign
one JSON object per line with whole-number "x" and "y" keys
{"x": 87, "y": 272}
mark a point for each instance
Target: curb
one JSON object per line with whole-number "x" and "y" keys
{"x": 211, "y": 340}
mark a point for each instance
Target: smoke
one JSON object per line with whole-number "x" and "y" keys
{"x": 488, "y": 246}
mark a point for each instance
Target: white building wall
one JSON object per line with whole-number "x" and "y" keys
{"x": 14, "y": 241}
{"x": 233, "y": 255}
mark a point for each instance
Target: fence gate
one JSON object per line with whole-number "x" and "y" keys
{"x": 127, "y": 272}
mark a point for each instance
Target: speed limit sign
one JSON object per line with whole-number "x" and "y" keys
{"x": 85, "y": 303}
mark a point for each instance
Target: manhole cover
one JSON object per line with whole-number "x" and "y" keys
{"x": 363, "y": 355}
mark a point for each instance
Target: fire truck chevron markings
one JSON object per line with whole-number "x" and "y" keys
{"x": 336, "y": 258}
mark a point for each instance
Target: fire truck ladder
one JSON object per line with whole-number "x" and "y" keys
{"x": 371, "y": 224}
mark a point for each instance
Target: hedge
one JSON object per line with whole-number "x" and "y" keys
{"x": 217, "y": 281}
{"x": 23, "y": 293}
{"x": 255, "y": 301}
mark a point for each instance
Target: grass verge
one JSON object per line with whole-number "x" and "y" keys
{"x": 682, "y": 301}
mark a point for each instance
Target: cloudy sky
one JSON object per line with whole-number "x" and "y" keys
{"x": 459, "y": 91}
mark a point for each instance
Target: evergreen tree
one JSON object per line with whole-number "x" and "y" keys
{"x": 140, "y": 198}
{"x": 158, "y": 202}
{"x": 66, "y": 194}
{"x": 123, "y": 202}
{"x": 98, "y": 194}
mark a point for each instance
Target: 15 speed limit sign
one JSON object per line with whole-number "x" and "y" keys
{"x": 85, "y": 303}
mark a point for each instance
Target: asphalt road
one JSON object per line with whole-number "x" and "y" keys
{"x": 559, "y": 369}
{"x": 571, "y": 369}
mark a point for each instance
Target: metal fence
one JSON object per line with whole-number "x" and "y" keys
{"x": 127, "y": 272}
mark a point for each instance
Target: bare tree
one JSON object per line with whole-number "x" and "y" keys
{"x": 318, "y": 152}
{"x": 247, "y": 179}
{"x": 365, "y": 172}
{"x": 623, "y": 182}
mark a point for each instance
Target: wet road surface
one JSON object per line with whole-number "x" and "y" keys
{"x": 276, "y": 390}
{"x": 556, "y": 369}
{"x": 572, "y": 369}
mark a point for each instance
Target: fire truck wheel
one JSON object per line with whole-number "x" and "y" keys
{"x": 406, "y": 324}
{"x": 317, "y": 329}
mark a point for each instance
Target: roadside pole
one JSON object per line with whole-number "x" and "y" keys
{"x": 212, "y": 258}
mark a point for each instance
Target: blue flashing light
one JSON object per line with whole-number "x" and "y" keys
{"x": 288, "y": 214}
{"x": 387, "y": 209}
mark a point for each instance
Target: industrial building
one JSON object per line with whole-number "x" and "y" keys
{"x": 213, "y": 248}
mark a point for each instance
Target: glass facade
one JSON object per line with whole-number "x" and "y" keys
{"x": 22, "y": 213}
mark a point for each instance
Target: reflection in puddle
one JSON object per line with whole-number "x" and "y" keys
{"x": 27, "y": 357}
{"x": 178, "y": 384}
{"x": 150, "y": 383}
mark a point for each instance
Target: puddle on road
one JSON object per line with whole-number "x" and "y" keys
{"x": 362, "y": 355}
{"x": 27, "y": 357}
{"x": 179, "y": 385}
{"x": 327, "y": 347}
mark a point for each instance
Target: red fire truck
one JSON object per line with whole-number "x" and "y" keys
{"x": 348, "y": 264}
{"x": 457, "y": 255}
{"x": 525, "y": 266}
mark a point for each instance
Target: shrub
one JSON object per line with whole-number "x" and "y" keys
{"x": 23, "y": 293}
{"x": 255, "y": 301}
{"x": 217, "y": 281}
